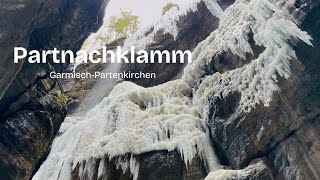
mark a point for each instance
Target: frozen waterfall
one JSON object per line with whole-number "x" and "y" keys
{"x": 172, "y": 116}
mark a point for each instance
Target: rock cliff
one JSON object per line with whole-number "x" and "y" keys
{"x": 30, "y": 116}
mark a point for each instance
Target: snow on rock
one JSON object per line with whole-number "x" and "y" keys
{"x": 222, "y": 174}
{"x": 68, "y": 123}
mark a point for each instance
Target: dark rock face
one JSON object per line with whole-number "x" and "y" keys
{"x": 29, "y": 116}
{"x": 192, "y": 31}
{"x": 297, "y": 157}
{"x": 27, "y": 135}
{"x": 40, "y": 25}
{"x": 284, "y": 133}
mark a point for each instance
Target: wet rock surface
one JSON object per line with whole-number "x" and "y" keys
{"x": 297, "y": 157}
{"x": 26, "y": 136}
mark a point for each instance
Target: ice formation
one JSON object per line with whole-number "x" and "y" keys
{"x": 133, "y": 120}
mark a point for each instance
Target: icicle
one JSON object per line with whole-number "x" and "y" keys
{"x": 101, "y": 169}
{"x": 134, "y": 168}
{"x": 214, "y": 8}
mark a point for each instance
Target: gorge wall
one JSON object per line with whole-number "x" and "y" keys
{"x": 169, "y": 141}
{"x": 30, "y": 115}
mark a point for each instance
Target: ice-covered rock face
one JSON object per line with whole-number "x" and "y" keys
{"x": 134, "y": 120}
{"x": 172, "y": 116}
{"x": 272, "y": 27}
